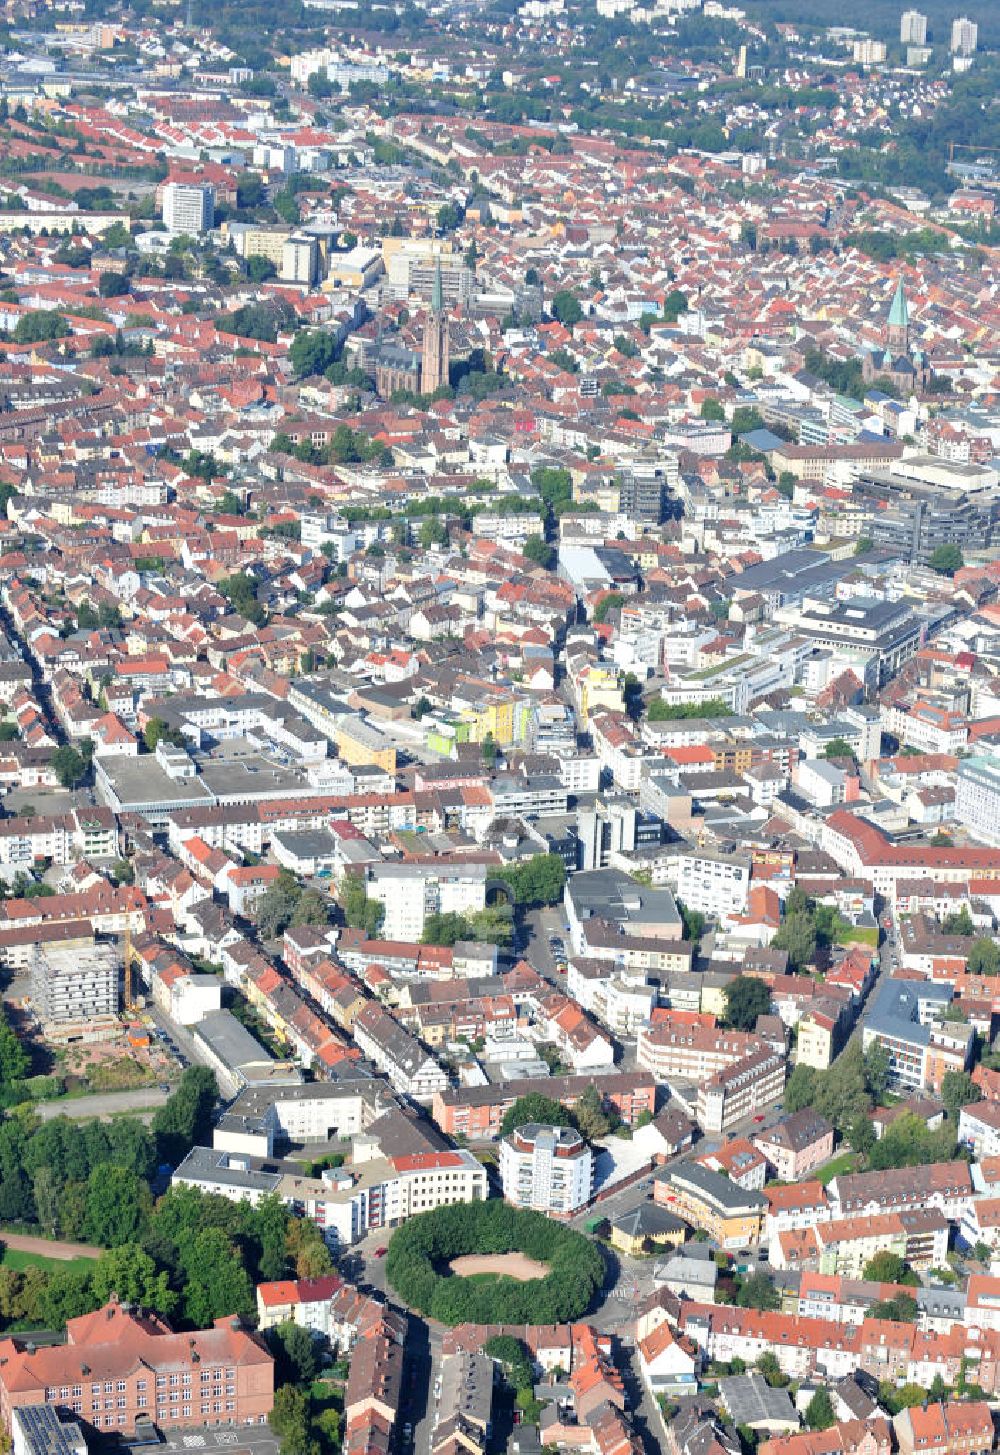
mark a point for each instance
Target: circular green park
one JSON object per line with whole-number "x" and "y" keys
{"x": 489, "y": 1263}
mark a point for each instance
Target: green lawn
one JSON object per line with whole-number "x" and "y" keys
{"x": 846, "y": 1162}
{"x": 13, "y": 1258}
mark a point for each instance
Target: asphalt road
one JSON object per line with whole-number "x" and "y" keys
{"x": 105, "y": 1103}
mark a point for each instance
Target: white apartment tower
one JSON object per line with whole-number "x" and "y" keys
{"x": 187, "y": 208}
{"x": 964, "y": 36}
{"x": 912, "y": 28}
{"x": 548, "y": 1169}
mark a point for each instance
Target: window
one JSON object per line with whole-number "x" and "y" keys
{"x": 122, "y": 1402}
{"x": 120, "y": 1386}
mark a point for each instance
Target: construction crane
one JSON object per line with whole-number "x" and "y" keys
{"x": 128, "y": 997}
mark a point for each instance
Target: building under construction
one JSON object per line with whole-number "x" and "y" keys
{"x": 77, "y": 992}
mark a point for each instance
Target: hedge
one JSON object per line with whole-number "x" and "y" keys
{"x": 421, "y": 1249}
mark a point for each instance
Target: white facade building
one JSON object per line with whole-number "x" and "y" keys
{"x": 187, "y": 208}
{"x": 548, "y": 1169}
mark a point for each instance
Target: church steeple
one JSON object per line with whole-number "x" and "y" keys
{"x": 898, "y": 329}
{"x": 437, "y": 346}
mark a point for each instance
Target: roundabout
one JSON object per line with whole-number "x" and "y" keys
{"x": 488, "y": 1263}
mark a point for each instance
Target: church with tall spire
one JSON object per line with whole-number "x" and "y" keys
{"x": 898, "y": 361}
{"x": 436, "y": 357}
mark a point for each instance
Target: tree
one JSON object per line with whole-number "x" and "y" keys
{"x": 946, "y": 560}
{"x": 957, "y": 1090}
{"x": 694, "y": 923}
{"x": 819, "y": 1411}
{"x": 118, "y": 1206}
{"x": 289, "y": 1419}
{"x": 131, "y": 1273}
{"x": 909, "y": 1142}
{"x": 768, "y": 1365}
{"x": 712, "y": 409}
{"x": 839, "y": 748}
{"x": 185, "y": 1119}
{"x": 217, "y": 1284}
{"x": 157, "y": 731}
{"x": 801, "y": 1087}
{"x": 294, "y": 1352}
{"x": 14, "y": 1061}
{"x": 306, "y": 1249}
{"x": 535, "y": 1108}
{"x": 877, "y": 1069}
{"x": 758, "y": 1292}
{"x": 311, "y": 352}
{"x": 240, "y": 590}
{"x": 277, "y": 905}
{"x": 610, "y": 601}
{"x": 591, "y": 1118}
{"x": 360, "y": 912}
{"x": 536, "y": 549}
{"x": 842, "y": 1093}
{"x": 538, "y": 880}
{"x": 746, "y": 999}
{"x": 68, "y": 766}
{"x": 260, "y": 269}
{"x": 899, "y": 1310}
{"x": 960, "y": 923}
{"x": 797, "y": 936}
{"x": 40, "y": 326}
{"x": 984, "y": 958}
{"x": 113, "y": 285}
{"x": 310, "y": 910}
{"x": 566, "y": 308}
{"x": 884, "y": 1267}
{"x": 450, "y": 216}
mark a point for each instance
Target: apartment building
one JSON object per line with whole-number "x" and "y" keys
{"x": 979, "y": 1129}
{"x": 740, "y": 1089}
{"x": 905, "y": 1019}
{"x": 90, "y": 833}
{"x": 692, "y": 1052}
{"x": 715, "y": 884}
{"x": 476, "y": 1112}
{"x": 188, "y": 208}
{"x": 977, "y": 798}
{"x": 346, "y": 1203}
{"x": 946, "y": 1186}
{"x": 119, "y": 1366}
{"x": 957, "y": 1428}
{"x": 411, "y": 1069}
{"x": 547, "y": 1168}
{"x": 75, "y": 990}
{"x": 410, "y": 892}
{"x": 729, "y": 1214}
{"x": 797, "y": 1145}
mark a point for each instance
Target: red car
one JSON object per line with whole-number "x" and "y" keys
{"x": 758, "y": 1119}
{"x": 381, "y": 1252}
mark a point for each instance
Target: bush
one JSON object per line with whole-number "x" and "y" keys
{"x": 421, "y": 1248}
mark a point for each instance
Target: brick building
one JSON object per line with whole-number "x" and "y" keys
{"x": 120, "y": 1364}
